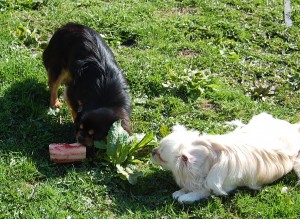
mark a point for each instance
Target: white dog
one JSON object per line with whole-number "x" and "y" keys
{"x": 252, "y": 155}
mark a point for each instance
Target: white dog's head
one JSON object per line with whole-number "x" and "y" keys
{"x": 183, "y": 154}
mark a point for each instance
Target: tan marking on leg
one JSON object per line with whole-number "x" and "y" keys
{"x": 54, "y": 86}
{"x": 54, "y": 102}
{"x": 73, "y": 112}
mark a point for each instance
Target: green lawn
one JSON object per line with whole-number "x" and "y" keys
{"x": 194, "y": 62}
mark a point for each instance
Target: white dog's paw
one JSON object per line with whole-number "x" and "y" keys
{"x": 178, "y": 193}
{"x": 192, "y": 197}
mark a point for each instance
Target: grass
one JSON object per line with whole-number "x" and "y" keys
{"x": 195, "y": 62}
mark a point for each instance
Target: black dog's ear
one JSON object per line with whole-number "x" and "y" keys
{"x": 119, "y": 113}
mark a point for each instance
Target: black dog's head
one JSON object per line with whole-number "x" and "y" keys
{"x": 94, "y": 125}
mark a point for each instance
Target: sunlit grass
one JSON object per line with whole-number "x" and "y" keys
{"x": 193, "y": 62}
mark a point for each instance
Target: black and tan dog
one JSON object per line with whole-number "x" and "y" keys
{"x": 96, "y": 89}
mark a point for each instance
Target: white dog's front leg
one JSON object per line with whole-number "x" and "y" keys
{"x": 179, "y": 193}
{"x": 193, "y": 196}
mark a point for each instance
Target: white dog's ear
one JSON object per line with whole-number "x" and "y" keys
{"x": 178, "y": 128}
{"x": 198, "y": 159}
{"x": 184, "y": 158}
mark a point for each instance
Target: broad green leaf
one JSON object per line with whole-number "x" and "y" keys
{"x": 116, "y": 137}
{"x": 147, "y": 138}
{"x": 133, "y": 177}
{"x": 123, "y": 153}
{"x": 100, "y": 144}
{"x": 127, "y": 173}
{"x": 122, "y": 172}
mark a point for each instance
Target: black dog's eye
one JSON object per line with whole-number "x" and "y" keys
{"x": 81, "y": 127}
{"x": 91, "y": 132}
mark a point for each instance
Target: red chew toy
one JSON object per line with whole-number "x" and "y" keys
{"x": 67, "y": 153}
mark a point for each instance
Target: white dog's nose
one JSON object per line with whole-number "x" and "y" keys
{"x": 154, "y": 151}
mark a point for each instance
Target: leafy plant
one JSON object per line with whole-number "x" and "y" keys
{"x": 29, "y": 37}
{"x": 122, "y": 150}
{"x": 193, "y": 83}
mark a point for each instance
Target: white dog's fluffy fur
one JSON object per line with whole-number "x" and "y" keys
{"x": 252, "y": 155}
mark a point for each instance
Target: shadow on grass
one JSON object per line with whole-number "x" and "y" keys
{"x": 152, "y": 193}
{"x": 25, "y": 125}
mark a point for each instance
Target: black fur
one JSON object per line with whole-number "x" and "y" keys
{"x": 96, "y": 89}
